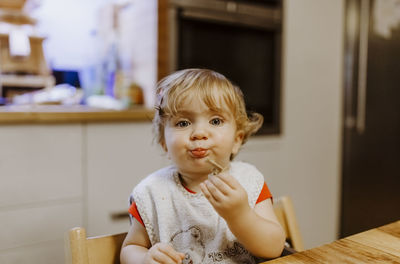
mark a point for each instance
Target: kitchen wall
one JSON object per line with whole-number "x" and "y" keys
{"x": 304, "y": 162}
{"x": 70, "y": 28}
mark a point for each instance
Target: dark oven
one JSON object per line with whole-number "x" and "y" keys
{"x": 240, "y": 39}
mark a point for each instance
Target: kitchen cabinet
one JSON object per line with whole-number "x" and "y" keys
{"x": 41, "y": 190}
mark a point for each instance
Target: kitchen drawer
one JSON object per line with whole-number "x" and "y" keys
{"x": 27, "y": 226}
{"x": 43, "y": 253}
{"x": 42, "y": 162}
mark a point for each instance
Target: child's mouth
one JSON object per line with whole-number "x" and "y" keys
{"x": 198, "y": 152}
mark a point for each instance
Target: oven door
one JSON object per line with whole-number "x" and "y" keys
{"x": 267, "y": 16}
{"x": 238, "y": 39}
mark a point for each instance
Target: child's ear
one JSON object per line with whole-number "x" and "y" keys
{"x": 238, "y": 142}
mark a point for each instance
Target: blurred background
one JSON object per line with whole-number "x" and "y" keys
{"x": 324, "y": 74}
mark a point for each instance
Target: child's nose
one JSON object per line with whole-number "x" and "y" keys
{"x": 199, "y": 132}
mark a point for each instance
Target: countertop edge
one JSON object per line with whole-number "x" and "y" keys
{"x": 57, "y": 115}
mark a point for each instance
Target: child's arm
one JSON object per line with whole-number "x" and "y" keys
{"x": 257, "y": 229}
{"x": 137, "y": 248}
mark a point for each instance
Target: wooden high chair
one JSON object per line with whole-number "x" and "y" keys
{"x": 285, "y": 213}
{"x": 106, "y": 249}
{"x": 93, "y": 250}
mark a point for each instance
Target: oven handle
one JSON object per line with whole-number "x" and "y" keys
{"x": 269, "y": 20}
{"x": 362, "y": 68}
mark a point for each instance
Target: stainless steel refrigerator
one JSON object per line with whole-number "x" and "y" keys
{"x": 371, "y": 139}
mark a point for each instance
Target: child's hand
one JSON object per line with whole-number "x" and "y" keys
{"x": 226, "y": 195}
{"x": 163, "y": 253}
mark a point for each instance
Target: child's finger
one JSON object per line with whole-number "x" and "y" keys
{"x": 162, "y": 257}
{"x": 221, "y": 185}
{"x": 182, "y": 255}
{"x": 228, "y": 179}
{"x": 207, "y": 193}
{"x": 215, "y": 193}
{"x": 169, "y": 253}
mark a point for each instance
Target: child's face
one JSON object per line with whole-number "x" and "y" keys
{"x": 198, "y": 133}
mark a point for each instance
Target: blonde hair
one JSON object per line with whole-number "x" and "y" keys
{"x": 210, "y": 87}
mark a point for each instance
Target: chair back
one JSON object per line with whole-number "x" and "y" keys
{"x": 99, "y": 250}
{"x": 285, "y": 213}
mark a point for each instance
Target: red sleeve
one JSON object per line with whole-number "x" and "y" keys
{"x": 135, "y": 213}
{"x": 264, "y": 195}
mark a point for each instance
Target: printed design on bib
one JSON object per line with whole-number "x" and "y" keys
{"x": 190, "y": 242}
{"x": 236, "y": 252}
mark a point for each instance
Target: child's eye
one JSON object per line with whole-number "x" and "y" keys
{"x": 216, "y": 121}
{"x": 183, "y": 123}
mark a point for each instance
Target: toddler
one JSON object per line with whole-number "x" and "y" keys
{"x": 205, "y": 208}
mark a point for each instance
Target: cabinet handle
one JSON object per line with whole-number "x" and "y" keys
{"x": 117, "y": 216}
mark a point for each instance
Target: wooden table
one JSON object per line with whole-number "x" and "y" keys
{"x": 378, "y": 245}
